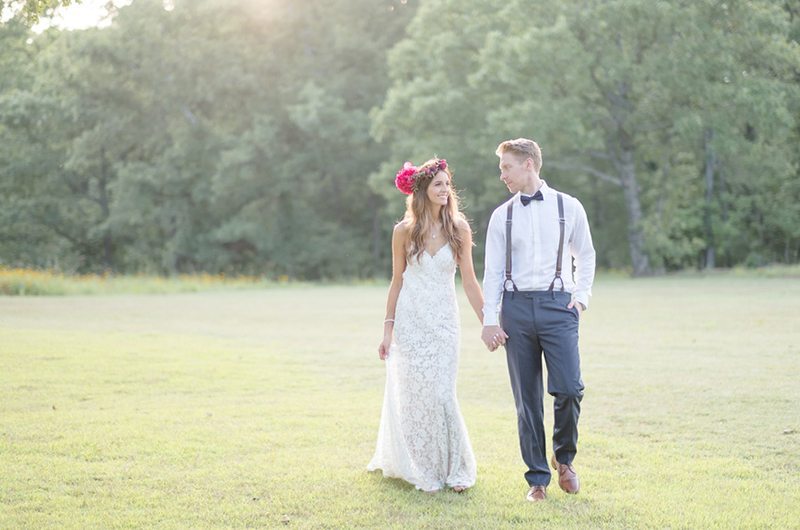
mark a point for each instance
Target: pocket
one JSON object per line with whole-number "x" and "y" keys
{"x": 558, "y": 304}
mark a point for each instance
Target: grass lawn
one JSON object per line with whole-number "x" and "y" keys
{"x": 260, "y": 409}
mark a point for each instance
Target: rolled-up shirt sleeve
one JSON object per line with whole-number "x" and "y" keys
{"x": 582, "y": 250}
{"x": 494, "y": 268}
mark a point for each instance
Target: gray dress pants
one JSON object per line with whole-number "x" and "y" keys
{"x": 539, "y": 322}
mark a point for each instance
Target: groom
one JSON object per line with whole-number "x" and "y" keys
{"x": 531, "y": 243}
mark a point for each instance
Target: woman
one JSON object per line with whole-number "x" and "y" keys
{"x": 422, "y": 437}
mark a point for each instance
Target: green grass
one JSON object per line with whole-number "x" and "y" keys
{"x": 259, "y": 409}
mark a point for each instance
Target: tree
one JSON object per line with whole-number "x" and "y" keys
{"x": 216, "y": 136}
{"x": 262, "y": 138}
{"x": 29, "y": 11}
{"x": 613, "y": 90}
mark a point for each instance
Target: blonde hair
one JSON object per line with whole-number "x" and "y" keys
{"x": 419, "y": 220}
{"x": 524, "y": 149}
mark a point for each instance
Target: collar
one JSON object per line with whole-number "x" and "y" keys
{"x": 544, "y": 188}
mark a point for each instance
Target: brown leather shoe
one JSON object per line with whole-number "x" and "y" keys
{"x": 537, "y": 493}
{"x": 567, "y": 478}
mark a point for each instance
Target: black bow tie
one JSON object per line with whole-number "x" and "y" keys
{"x": 526, "y": 200}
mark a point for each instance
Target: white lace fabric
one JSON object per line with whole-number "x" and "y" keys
{"x": 422, "y": 438}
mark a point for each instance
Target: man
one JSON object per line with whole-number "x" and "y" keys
{"x": 531, "y": 242}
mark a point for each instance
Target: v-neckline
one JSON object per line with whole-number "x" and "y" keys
{"x": 437, "y": 251}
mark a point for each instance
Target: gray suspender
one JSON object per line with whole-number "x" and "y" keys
{"x": 561, "y": 226}
{"x": 561, "y": 223}
{"x": 508, "y": 247}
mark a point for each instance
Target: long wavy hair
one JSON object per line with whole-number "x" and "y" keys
{"x": 420, "y": 221}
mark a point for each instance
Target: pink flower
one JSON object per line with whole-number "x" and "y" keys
{"x": 404, "y": 180}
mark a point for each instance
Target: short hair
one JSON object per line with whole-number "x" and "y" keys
{"x": 523, "y": 148}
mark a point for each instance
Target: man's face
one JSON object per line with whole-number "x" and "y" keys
{"x": 514, "y": 171}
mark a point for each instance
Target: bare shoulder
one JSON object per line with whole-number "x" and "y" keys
{"x": 401, "y": 230}
{"x": 462, "y": 225}
{"x": 401, "y": 227}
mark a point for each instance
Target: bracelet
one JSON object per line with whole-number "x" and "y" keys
{"x": 388, "y": 320}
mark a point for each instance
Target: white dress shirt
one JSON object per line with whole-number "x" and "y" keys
{"x": 534, "y": 250}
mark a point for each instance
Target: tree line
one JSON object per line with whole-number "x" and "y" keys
{"x": 248, "y": 137}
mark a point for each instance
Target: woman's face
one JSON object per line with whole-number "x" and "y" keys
{"x": 439, "y": 189}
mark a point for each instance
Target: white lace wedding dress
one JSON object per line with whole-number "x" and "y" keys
{"x": 422, "y": 437}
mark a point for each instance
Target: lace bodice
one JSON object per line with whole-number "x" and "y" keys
{"x": 426, "y": 307}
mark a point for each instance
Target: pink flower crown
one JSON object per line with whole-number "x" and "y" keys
{"x": 407, "y": 179}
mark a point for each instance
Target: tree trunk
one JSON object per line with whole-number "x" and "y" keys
{"x": 621, "y": 146}
{"x": 711, "y": 164}
{"x": 105, "y": 206}
{"x": 627, "y": 169}
{"x": 599, "y": 220}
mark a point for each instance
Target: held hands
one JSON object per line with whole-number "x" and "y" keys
{"x": 493, "y": 337}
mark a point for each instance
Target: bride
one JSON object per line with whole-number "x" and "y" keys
{"x": 422, "y": 437}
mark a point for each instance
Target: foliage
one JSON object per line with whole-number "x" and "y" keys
{"x": 26, "y": 282}
{"x": 629, "y": 100}
{"x": 205, "y": 138}
{"x": 261, "y": 138}
{"x": 29, "y": 11}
